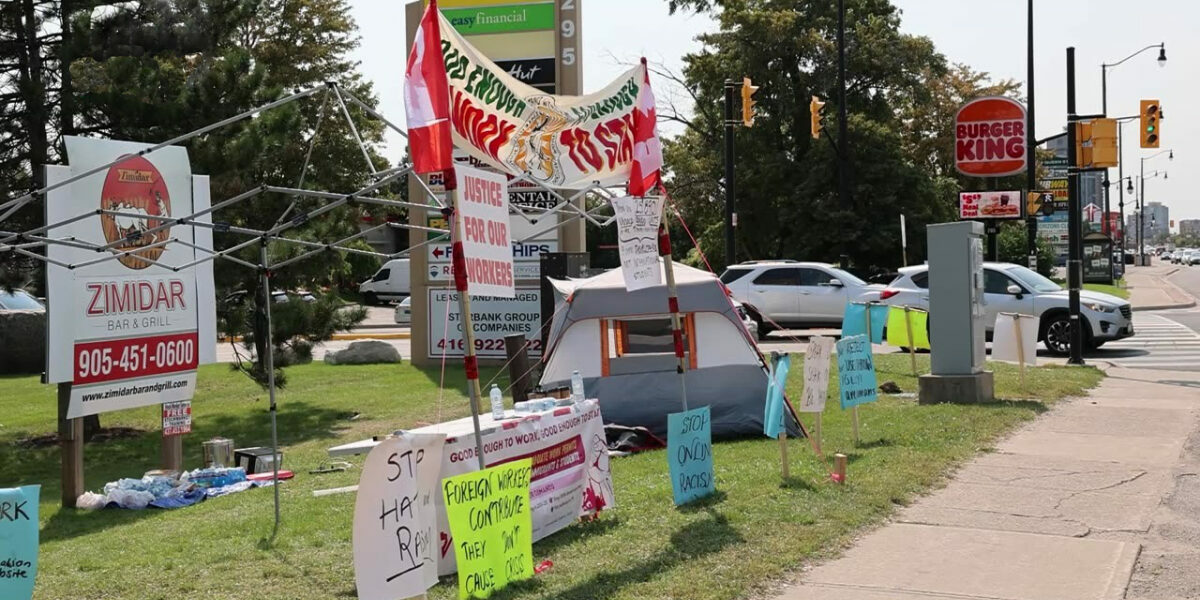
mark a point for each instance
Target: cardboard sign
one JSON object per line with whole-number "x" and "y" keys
{"x": 897, "y": 328}
{"x": 816, "y": 374}
{"x": 854, "y": 320}
{"x": 177, "y": 417}
{"x": 395, "y": 518}
{"x": 1005, "y": 341}
{"x": 776, "y": 387}
{"x": 989, "y": 205}
{"x": 856, "y": 371}
{"x": 18, "y": 541}
{"x": 989, "y": 137}
{"x": 492, "y": 527}
{"x": 637, "y": 240}
{"x": 130, "y": 331}
{"x": 689, "y": 454}
{"x": 483, "y": 208}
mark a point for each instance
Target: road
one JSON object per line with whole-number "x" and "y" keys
{"x": 1168, "y": 339}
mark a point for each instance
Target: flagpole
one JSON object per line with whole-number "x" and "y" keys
{"x": 470, "y": 360}
{"x": 664, "y": 250}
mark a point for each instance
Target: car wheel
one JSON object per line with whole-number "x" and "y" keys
{"x": 1058, "y": 335}
{"x": 371, "y": 299}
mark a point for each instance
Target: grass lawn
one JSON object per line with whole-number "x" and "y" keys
{"x": 732, "y": 545}
{"x": 1118, "y": 288}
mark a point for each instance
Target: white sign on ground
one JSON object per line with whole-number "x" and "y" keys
{"x": 483, "y": 209}
{"x": 127, "y": 332}
{"x": 395, "y": 518}
{"x": 637, "y": 240}
{"x": 816, "y": 374}
{"x": 1005, "y": 339}
{"x": 494, "y": 318}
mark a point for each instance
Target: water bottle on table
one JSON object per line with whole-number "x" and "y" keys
{"x": 576, "y": 387}
{"x": 497, "y": 403}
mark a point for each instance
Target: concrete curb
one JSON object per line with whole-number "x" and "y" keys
{"x": 1163, "y": 279}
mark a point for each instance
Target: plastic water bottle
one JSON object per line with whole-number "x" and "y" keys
{"x": 497, "y": 403}
{"x": 576, "y": 387}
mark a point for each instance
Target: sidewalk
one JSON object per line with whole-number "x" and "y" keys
{"x": 1150, "y": 290}
{"x": 1060, "y": 510}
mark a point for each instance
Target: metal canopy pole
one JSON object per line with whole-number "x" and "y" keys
{"x": 269, "y": 348}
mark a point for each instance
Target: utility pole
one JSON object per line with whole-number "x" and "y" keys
{"x": 1121, "y": 188}
{"x": 1031, "y": 224}
{"x": 843, "y": 139}
{"x": 1074, "y": 216}
{"x": 730, "y": 208}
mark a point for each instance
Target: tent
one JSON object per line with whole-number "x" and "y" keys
{"x": 621, "y": 343}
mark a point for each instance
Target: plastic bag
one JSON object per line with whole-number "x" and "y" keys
{"x": 90, "y": 501}
{"x": 130, "y": 499}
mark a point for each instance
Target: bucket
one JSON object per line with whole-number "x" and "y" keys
{"x": 218, "y": 452}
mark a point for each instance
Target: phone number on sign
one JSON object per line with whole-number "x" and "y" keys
{"x": 488, "y": 345}
{"x": 109, "y": 360}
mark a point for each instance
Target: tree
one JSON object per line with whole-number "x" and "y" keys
{"x": 787, "y": 181}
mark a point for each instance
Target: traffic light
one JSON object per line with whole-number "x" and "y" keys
{"x": 1151, "y": 114}
{"x": 814, "y": 110}
{"x": 748, "y": 102}
{"x": 1096, "y": 143}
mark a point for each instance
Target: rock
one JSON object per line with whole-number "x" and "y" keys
{"x": 22, "y": 341}
{"x": 364, "y": 352}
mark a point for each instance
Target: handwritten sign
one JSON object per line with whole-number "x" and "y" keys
{"x": 483, "y": 209}
{"x": 637, "y": 239}
{"x": 395, "y": 518}
{"x": 18, "y": 541}
{"x": 1004, "y": 338}
{"x": 856, "y": 371}
{"x": 689, "y": 452}
{"x": 816, "y": 374}
{"x": 776, "y": 387}
{"x": 492, "y": 527}
{"x": 898, "y": 326}
{"x": 177, "y": 417}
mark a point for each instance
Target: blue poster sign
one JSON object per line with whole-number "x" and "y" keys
{"x": 856, "y": 371}
{"x": 773, "y": 414}
{"x": 18, "y": 541}
{"x": 689, "y": 454}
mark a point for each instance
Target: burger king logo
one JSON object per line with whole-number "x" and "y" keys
{"x": 135, "y": 189}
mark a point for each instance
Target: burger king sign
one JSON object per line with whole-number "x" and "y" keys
{"x": 989, "y": 137}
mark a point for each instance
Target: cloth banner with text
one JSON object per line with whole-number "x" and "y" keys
{"x": 559, "y": 141}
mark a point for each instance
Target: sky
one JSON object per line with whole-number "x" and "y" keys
{"x": 988, "y": 36}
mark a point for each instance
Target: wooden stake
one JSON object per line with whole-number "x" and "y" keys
{"x": 912, "y": 344}
{"x": 839, "y": 467}
{"x": 817, "y": 432}
{"x": 854, "y": 422}
{"x": 783, "y": 451}
{"x": 1020, "y": 351}
{"x": 70, "y": 440}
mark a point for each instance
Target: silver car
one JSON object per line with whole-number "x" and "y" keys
{"x": 1016, "y": 289}
{"x": 785, "y": 293}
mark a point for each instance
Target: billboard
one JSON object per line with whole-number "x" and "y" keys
{"x": 127, "y": 332}
{"x": 493, "y": 319}
{"x": 989, "y": 137}
{"x": 990, "y": 205}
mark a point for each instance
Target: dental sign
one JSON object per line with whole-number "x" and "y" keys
{"x": 130, "y": 322}
{"x": 989, "y": 137}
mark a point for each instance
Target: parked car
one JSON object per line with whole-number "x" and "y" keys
{"x": 1014, "y": 288}
{"x": 390, "y": 283}
{"x": 403, "y": 313}
{"x": 787, "y": 293}
{"x": 19, "y": 300}
{"x": 751, "y": 324}
{"x": 22, "y": 333}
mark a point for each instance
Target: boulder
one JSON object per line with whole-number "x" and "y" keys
{"x": 22, "y": 341}
{"x": 364, "y": 352}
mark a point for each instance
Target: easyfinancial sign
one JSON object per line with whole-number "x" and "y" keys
{"x": 989, "y": 137}
{"x": 501, "y": 19}
{"x": 130, "y": 323}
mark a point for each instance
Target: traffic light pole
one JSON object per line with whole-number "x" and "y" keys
{"x": 1121, "y": 188}
{"x": 843, "y": 144}
{"x": 1031, "y": 223}
{"x": 1142, "y": 216}
{"x": 1074, "y": 220}
{"x": 730, "y": 209}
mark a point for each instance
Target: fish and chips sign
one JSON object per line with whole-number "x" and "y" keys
{"x": 559, "y": 141}
{"x": 989, "y": 137}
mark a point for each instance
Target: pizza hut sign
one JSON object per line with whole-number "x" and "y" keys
{"x": 989, "y": 137}
{"x": 989, "y": 205}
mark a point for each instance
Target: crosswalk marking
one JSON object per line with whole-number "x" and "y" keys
{"x": 1157, "y": 343}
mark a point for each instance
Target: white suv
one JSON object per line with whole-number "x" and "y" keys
{"x": 1013, "y": 288}
{"x": 785, "y": 293}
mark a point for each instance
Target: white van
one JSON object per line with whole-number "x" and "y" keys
{"x": 388, "y": 284}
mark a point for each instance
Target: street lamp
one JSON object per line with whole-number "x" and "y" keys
{"x": 1142, "y": 203}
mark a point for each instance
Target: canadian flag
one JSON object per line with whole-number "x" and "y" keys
{"x": 647, "y": 150}
{"x": 427, "y": 99}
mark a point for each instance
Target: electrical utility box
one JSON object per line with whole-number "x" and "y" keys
{"x": 957, "y": 319}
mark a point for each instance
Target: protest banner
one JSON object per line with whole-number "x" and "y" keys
{"x": 816, "y": 382}
{"x": 483, "y": 206}
{"x": 1014, "y": 339}
{"x": 856, "y": 320}
{"x": 689, "y": 454}
{"x": 856, "y": 375}
{"x": 637, "y": 240}
{"x": 395, "y": 518}
{"x": 492, "y": 527}
{"x": 908, "y": 328}
{"x": 773, "y": 415}
{"x": 18, "y": 541}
